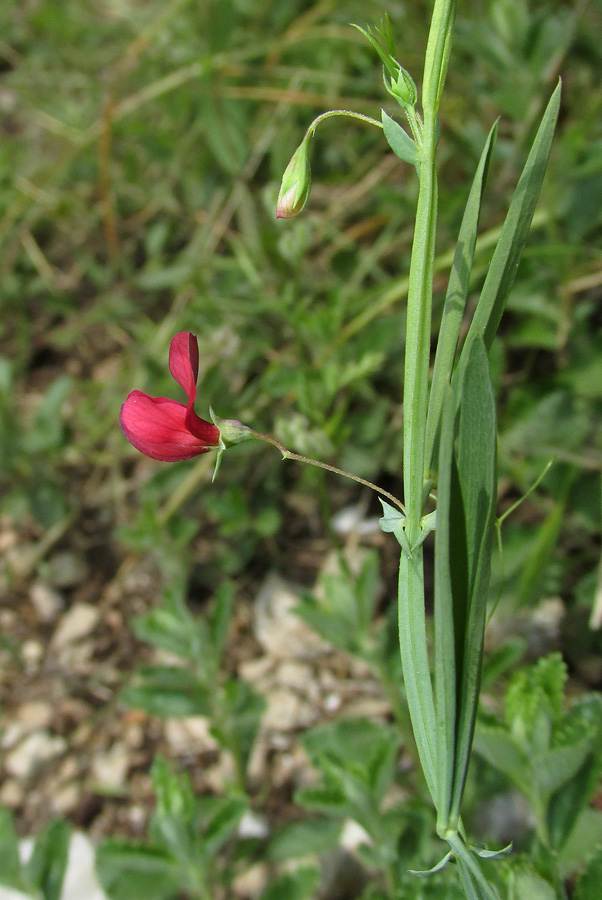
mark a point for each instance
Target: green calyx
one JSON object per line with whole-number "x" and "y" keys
{"x": 296, "y": 183}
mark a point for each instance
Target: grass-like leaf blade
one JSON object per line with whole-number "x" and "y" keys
{"x": 475, "y": 501}
{"x": 503, "y": 266}
{"x": 455, "y": 298}
{"x": 465, "y": 506}
{"x": 445, "y": 661}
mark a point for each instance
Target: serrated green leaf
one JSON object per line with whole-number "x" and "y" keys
{"x": 400, "y": 142}
{"x": 303, "y": 838}
{"x": 219, "y": 620}
{"x": 167, "y": 691}
{"x": 223, "y": 820}
{"x": 242, "y": 708}
{"x": 300, "y": 884}
{"x": 327, "y": 800}
{"x": 177, "y": 633}
{"x": 534, "y": 693}
{"x": 528, "y": 885}
{"x": 588, "y": 885}
{"x": 173, "y": 792}
{"x": 583, "y": 841}
{"x": 500, "y": 750}
{"x": 129, "y": 871}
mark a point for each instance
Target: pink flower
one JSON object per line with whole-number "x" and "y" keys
{"x": 165, "y": 429}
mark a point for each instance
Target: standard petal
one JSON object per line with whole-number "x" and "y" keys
{"x": 184, "y": 362}
{"x": 157, "y": 427}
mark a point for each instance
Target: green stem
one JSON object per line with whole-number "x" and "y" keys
{"x": 340, "y": 112}
{"x": 412, "y": 616}
{"x": 418, "y": 334}
{"x": 287, "y": 454}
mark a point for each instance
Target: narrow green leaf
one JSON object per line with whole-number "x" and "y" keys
{"x": 424, "y": 873}
{"x": 476, "y": 469}
{"x": 437, "y": 55}
{"x": 400, "y": 142}
{"x": 415, "y": 663}
{"x": 10, "y": 871}
{"x": 219, "y": 620}
{"x": 503, "y": 266}
{"x": 48, "y": 862}
{"x": 465, "y": 506}
{"x": 473, "y": 879}
{"x": 445, "y": 663}
{"x": 455, "y": 298}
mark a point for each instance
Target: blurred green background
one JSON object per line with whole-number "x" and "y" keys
{"x": 142, "y": 146}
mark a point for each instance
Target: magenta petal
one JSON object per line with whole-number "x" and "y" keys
{"x": 184, "y": 362}
{"x": 157, "y": 427}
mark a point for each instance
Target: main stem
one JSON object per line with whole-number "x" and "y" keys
{"x": 412, "y": 618}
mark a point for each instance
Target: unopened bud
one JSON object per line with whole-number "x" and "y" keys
{"x": 296, "y": 183}
{"x": 403, "y": 88}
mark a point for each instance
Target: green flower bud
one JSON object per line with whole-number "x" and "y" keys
{"x": 296, "y": 183}
{"x": 403, "y": 88}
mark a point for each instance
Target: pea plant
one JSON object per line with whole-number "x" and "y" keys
{"x": 449, "y": 429}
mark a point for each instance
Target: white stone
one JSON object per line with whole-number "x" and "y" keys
{"x": 253, "y": 826}
{"x": 32, "y": 652}
{"x": 76, "y": 624}
{"x": 286, "y": 711}
{"x": 11, "y": 794}
{"x": 35, "y": 714}
{"x": 109, "y": 769}
{"x": 81, "y": 882}
{"x": 278, "y": 628}
{"x": 65, "y": 798}
{"x": 48, "y": 602}
{"x": 352, "y": 520}
{"x": 36, "y": 748}
{"x": 353, "y": 835}
{"x": 190, "y": 735}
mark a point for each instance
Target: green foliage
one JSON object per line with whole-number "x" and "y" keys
{"x": 186, "y": 831}
{"x": 44, "y": 872}
{"x": 297, "y": 885}
{"x": 463, "y": 541}
{"x": 588, "y": 884}
{"x": 342, "y": 610}
{"x": 551, "y": 753}
{"x": 195, "y": 686}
